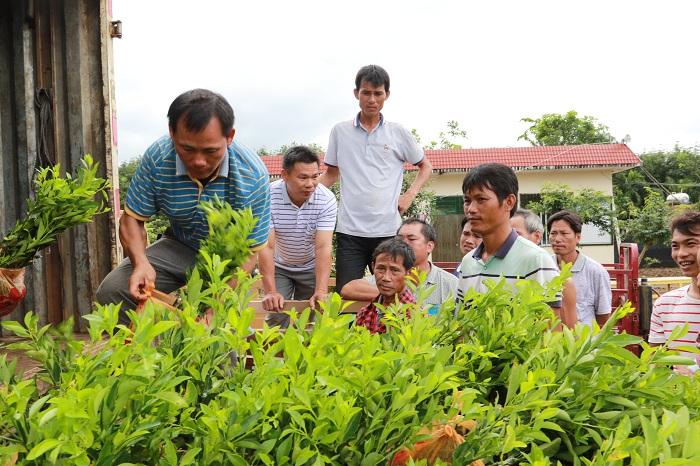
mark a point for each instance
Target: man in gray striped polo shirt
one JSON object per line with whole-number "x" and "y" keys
{"x": 297, "y": 260}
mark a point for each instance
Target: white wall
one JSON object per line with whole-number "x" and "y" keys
{"x": 531, "y": 182}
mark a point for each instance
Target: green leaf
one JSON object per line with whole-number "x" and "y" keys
{"x": 43, "y": 447}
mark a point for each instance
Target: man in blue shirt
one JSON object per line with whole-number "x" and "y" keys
{"x": 198, "y": 161}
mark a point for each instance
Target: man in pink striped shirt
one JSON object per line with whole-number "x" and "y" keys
{"x": 681, "y": 306}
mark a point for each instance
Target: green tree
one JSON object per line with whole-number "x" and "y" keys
{"x": 593, "y": 206}
{"x": 446, "y": 138}
{"x": 649, "y": 225}
{"x": 319, "y": 149}
{"x": 677, "y": 170}
{"x": 554, "y": 129}
{"x": 126, "y": 172}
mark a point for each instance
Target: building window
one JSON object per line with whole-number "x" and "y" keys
{"x": 447, "y": 205}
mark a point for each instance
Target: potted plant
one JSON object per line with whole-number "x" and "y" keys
{"x": 59, "y": 203}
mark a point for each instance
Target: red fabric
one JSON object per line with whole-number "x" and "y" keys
{"x": 369, "y": 315}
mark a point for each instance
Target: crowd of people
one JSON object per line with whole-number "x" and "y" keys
{"x": 298, "y": 217}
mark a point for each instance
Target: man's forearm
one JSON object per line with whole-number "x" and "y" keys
{"x": 132, "y": 235}
{"x": 359, "y": 290}
{"x": 329, "y": 178}
{"x": 267, "y": 269}
{"x": 424, "y": 171}
{"x": 323, "y": 269}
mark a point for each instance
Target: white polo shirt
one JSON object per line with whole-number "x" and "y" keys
{"x": 295, "y": 227}
{"x": 371, "y": 172}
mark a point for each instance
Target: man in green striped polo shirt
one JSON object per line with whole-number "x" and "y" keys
{"x": 490, "y": 200}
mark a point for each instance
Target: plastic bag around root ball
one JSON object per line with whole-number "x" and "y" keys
{"x": 12, "y": 289}
{"x": 441, "y": 445}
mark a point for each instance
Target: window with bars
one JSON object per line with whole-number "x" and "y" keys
{"x": 446, "y": 205}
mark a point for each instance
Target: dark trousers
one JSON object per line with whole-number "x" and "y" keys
{"x": 352, "y": 255}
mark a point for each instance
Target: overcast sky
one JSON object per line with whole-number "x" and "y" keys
{"x": 288, "y": 67}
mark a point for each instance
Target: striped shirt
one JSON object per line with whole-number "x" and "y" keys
{"x": 296, "y": 227}
{"x": 673, "y": 309}
{"x": 517, "y": 259}
{"x": 161, "y": 183}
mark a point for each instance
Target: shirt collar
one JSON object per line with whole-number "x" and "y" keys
{"x": 181, "y": 170}
{"x": 431, "y": 278}
{"x": 356, "y": 121}
{"x": 502, "y": 251}
{"x": 579, "y": 263}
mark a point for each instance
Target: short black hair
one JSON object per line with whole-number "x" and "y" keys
{"x": 497, "y": 177}
{"x": 572, "y": 218}
{"x": 426, "y": 230}
{"x": 299, "y": 154}
{"x": 373, "y": 74}
{"x": 464, "y": 221}
{"x": 198, "y": 107}
{"x": 396, "y": 247}
{"x": 687, "y": 223}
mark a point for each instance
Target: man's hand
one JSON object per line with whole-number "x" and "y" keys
{"x": 318, "y": 296}
{"x": 142, "y": 278}
{"x": 405, "y": 201}
{"x": 273, "y": 301}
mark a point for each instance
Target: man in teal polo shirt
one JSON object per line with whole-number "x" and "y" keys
{"x": 198, "y": 161}
{"x": 490, "y": 200}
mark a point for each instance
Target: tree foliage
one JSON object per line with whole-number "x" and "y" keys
{"x": 424, "y": 204}
{"x": 649, "y": 225}
{"x": 446, "y": 139}
{"x": 677, "y": 170}
{"x": 593, "y": 206}
{"x": 554, "y": 129}
{"x": 319, "y": 149}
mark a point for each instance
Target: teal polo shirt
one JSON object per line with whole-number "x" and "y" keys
{"x": 517, "y": 259}
{"x": 161, "y": 184}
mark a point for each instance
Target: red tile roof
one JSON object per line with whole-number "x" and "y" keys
{"x": 520, "y": 158}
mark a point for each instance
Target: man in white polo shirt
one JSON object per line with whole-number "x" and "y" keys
{"x": 592, "y": 281}
{"x": 368, "y": 153}
{"x": 297, "y": 260}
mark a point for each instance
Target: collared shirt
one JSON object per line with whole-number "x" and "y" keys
{"x": 371, "y": 171}
{"x": 296, "y": 227}
{"x": 445, "y": 287}
{"x": 161, "y": 183}
{"x": 593, "y": 294}
{"x": 673, "y": 309}
{"x": 371, "y": 317}
{"x": 516, "y": 259}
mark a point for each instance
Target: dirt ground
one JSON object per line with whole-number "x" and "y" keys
{"x": 659, "y": 272}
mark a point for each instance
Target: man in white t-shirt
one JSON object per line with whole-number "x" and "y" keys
{"x": 681, "y": 306}
{"x": 297, "y": 260}
{"x": 368, "y": 154}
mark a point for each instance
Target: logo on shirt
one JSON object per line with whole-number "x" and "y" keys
{"x": 386, "y": 147}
